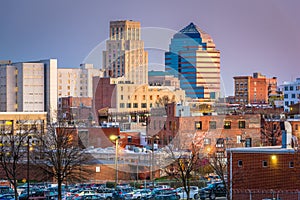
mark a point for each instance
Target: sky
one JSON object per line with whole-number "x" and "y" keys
{"x": 252, "y": 36}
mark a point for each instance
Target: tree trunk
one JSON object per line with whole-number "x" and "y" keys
{"x": 59, "y": 190}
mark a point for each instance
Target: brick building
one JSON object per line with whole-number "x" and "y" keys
{"x": 264, "y": 172}
{"x": 254, "y": 89}
{"x": 233, "y": 130}
{"x": 77, "y": 110}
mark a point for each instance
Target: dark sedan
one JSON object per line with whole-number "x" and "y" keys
{"x": 213, "y": 190}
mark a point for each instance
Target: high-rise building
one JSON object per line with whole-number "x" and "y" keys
{"x": 29, "y": 87}
{"x": 125, "y": 54}
{"x": 194, "y": 59}
{"x": 77, "y": 82}
{"x": 291, "y": 92}
{"x": 254, "y": 89}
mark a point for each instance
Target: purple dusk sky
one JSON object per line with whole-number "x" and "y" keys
{"x": 253, "y": 36}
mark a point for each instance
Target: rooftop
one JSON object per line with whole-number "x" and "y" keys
{"x": 264, "y": 150}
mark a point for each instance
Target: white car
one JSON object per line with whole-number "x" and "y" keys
{"x": 86, "y": 192}
{"x": 193, "y": 192}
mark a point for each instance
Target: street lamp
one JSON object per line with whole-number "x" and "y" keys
{"x": 153, "y": 138}
{"x": 116, "y": 140}
{"x": 28, "y": 163}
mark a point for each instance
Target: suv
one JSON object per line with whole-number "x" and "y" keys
{"x": 213, "y": 190}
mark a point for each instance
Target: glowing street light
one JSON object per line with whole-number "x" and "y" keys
{"x": 116, "y": 140}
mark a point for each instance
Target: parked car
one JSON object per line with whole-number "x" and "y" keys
{"x": 139, "y": 194}
{"x": 85, "y": 192}
{"x": 213, "y": 190}
{"x": 7, "y": 197}
{"x": 194, "y": 192}
{"x": 88, "y": 197}
{"x": 122, "y": 193}
{"x": 106, "y": 193}
{"x": 166, "y": 197}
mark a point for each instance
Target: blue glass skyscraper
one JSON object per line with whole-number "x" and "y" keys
{"x": 193, "y": 58}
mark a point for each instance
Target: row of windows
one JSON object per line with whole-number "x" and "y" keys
{"x": 213, "y": 124}
{"x": 265, "y": 163}
{"x": 135, "y": 105}
{"x": 293, "y": 96}
{"x": 291, "y": 88}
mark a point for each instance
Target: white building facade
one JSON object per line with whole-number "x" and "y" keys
{"x": 29, "y": 87}
{"x": 291, "y": 91}
{"x": 77, "y": 82}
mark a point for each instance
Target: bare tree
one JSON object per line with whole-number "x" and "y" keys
{"x": 60, "y": 155}
{"x": 184, "y": 157}
{"x": 14, "y": 149}
{"x": 218, "y": 162}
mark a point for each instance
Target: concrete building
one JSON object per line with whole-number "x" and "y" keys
{"x": 125, "y": 97}
{"x": 194, "y": 59}
{"x": 77, "y": 82}
{"x": 161, "y": 78}
{"x": 29, "y": 87}
{"x": 256, "y": 89}
{"x": 125, "y": 54}
{"x": 291, "y": 92}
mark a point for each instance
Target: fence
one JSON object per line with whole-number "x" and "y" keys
{"x": 266, "y": 194}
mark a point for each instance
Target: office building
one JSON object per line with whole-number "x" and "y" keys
{"x": 29, "y": 87}
{"x": 125, "y": 54}
{"x": 291, "y": 92}
{"x": 77, "y": 82}
{"x": 194, "y": 59}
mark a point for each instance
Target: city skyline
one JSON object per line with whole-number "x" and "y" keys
{"x": 252, "y": 36}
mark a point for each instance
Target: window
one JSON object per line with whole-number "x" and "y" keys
{"x": 286, "y": 96}
{"x": 144, "y": 105}
{"x": 129, "y": 139}
{"x": 240, "y": 163}
{"x": 207, "y": 141}
{"x": 121, "y": 97}
{"x": 296, "y": 127}
{"x": 122, "y": 105}
{"x": 291, "y": 164}
{"x": 264, "y": 163}
{"x": 212, "y": 124}
{"x": 242, "y": 124}
{"x": 151, "y": 97}
{"x": 291, "y": 88}
{"x": 135, "y": 105}
{"x": 293, "y": 96}
{"x": 128, "y": 105}
{"x": 248, "y": 142}
{"x": 220, "y": 143}
{"x": 286, "y": 88}
{"x": 198, "y": 125}
{"x": 227, "y": 125}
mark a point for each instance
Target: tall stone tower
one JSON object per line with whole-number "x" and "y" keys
{"x": 125, "y": 55}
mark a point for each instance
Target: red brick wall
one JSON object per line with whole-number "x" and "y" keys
{"x": 277, "y": 176}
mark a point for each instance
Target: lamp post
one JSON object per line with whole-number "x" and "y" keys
{"x": 153, "y": 138}
{"x": 28, "y": 163}
{"x": 116, "y": 140}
